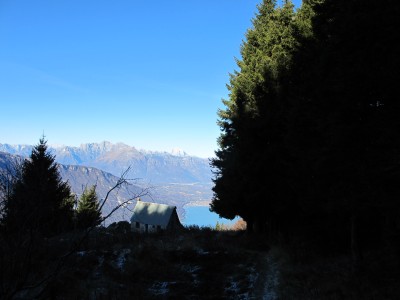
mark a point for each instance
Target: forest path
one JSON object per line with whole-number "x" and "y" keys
{"x": 267, "y": 282}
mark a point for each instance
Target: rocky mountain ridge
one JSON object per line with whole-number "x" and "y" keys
{"x": 152, "y": 167}
{"x": 79, "y": 177}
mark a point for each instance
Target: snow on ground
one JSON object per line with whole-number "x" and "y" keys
{"x": 233, "y": 287}
{"x": 121, "y": 258}
{"x": 252, "y": 277}
{"x": 272, "y": 279}
{"x": 192, "y": 270}
{"x": 160, "y": 288}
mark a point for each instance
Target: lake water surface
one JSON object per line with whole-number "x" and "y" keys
{"x": 201, "y": 216}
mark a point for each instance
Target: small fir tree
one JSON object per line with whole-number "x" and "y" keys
{"x": 88, "y": 210}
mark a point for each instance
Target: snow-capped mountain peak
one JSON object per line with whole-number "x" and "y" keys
{"x": 178, "y": 152}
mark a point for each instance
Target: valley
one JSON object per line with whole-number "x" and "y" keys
{"x": 169, "y": 178}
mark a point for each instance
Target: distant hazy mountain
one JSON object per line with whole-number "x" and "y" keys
{"x": 23, "y": 150}
{"x": 178, "y": 194}
{"x": 154, "y": 167}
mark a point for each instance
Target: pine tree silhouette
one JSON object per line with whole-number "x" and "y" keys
{"x": 40, "y": 201}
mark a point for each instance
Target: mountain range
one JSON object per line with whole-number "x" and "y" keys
{"x": 150, "y": 166}
{"x": 171, "y": 178}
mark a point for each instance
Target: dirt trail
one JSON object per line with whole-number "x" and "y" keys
{"x": 268, "y": 278}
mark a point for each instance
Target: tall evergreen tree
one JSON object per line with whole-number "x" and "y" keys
{"x": 250, "y": 165}
{"x": 40, "y": 201}
{"x": 88, "y": 210}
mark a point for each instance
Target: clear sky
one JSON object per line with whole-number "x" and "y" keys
{"x": 150, "y": 74}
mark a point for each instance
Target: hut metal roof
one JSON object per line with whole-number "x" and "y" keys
{"x": 152, "y": 213}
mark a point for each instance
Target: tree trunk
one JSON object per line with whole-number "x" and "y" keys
{"x": 257, "y": 226}
{"x": 249, "y": 227}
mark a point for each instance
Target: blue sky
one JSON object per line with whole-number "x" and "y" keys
{"x": 150, "y": 74}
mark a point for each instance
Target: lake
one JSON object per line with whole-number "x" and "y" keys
{"x": 201, "y": 216}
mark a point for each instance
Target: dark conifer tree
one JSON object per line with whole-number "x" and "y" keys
{"x": 250, "y": 165}
{"x": 40, "y": 200}
{"x": 88, "y": 210}
{"x": 310, "y": 129}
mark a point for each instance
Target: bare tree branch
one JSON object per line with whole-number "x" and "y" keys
{"x": 9, "y": 175}
{"x": 26, "y": 264}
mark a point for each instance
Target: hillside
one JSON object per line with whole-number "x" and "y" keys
{"x": 79, "y": 176}
{"x": 174, "y": 178}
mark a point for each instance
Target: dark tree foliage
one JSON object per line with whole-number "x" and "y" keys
{"x": 40, "y": 201}
{"x": 250, "y": 165}
{"x": 310, "y": 141}
{"x": 88, "y": 212}
{"x": 346, "y": 116}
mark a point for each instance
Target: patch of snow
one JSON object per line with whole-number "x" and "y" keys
{"x": 178, "y": 152}
{"x": 159, "y": 288}
{"x": 121, "y": 258}
{"x": 272, "y": 280}
{"x": 233, "y": 287}
{"x": 57, "y": 146}
{"x": 81, "y": 253}
{"x": 202, "y": 252}
{"x": 252, "y": 277}
{"x": 192, "y": 270}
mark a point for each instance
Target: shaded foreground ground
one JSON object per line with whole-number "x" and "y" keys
{"x": 117, "y": 264}
{"x": 114, "y": 263}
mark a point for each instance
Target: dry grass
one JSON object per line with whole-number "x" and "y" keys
{"x": 201, "y": 263}
{"x": 193, "y": 264}
{"x": 332, "y": 277}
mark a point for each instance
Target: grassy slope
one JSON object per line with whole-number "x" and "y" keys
{"x": 315, "y": 276}
{"x": 205, "y": 264}
{"x": 195, "y": 264}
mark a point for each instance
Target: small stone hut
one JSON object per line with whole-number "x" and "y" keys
{"x": 153, "y": 217}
